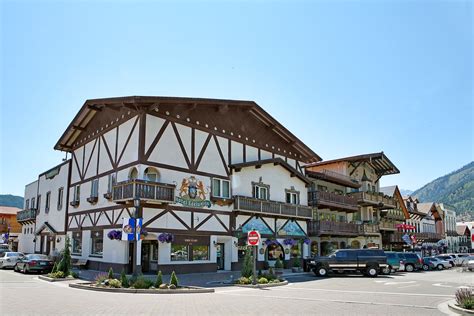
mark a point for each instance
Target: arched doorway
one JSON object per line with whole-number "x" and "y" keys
{"x": 133, "y": 174}
{"x": 151, "y": 174}
{"x": 274, "y": 252}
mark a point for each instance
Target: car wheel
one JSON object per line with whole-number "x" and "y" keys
{"x": 440, "y": 267}
{"x": 321, "y": 271}
{"x": 409, "y": 268}
{"x": 387, "y": 270}
{"x": 25, "y": 269}
{"x": 15, "y": 268}
{"x": 371, "y": 271}
{"x": 426, "y": 267}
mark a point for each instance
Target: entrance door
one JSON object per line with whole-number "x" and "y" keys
{"x": 41, "y": 238}
{"x": 145, "y": 257}
{"x": 48, "y": 245}
{"x": 220, "y": 256}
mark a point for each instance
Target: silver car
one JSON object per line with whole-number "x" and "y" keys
{"x": 470, "y": 263}
{"x": 440, "y": 264}
{"x": 8, "y": 259}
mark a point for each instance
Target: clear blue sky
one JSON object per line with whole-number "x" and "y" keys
{"x": 347, "y": 77}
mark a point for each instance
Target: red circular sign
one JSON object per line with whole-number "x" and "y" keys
{"x": 253, "y": 238}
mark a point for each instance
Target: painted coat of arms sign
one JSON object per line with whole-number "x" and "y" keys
{"x": 192, "y": 192}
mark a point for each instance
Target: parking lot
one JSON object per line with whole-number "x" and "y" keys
{"x": 417, "y": 293}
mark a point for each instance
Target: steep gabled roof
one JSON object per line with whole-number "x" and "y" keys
{"x": 393, "y": 191}
{"x": 251, "y": 120}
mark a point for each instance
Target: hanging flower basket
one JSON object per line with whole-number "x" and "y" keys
{"x": 307, "y": 241}
{"x": 270, "y": 242}
{"x": 289, "y": 242}
{"x": 165, "y": 237}
{"x": 115, "y": 235}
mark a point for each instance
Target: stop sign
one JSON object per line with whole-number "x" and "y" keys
{"x": 253, "y": 238}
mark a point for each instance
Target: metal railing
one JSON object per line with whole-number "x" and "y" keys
{"x": 141, "y": 189}
{"x": 332, "y": 199}
{"x": 26, "y": 215}
{"x": 248, "y": 204}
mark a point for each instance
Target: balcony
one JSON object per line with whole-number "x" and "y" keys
{"x": 420, "y": 237}
{"x": 334, "y": 177}
{"x": 393, "y": 214}
{"x": 151, "y": 192}
{"x": 369, "y": 229}
{"x": 388, "y": 225}
{"x": 318, "y": 228}
{"x": 252, "y": 205}
{"x": 333, "y": 201}
{"x": 26, "y": 216}
{"x": 374, "y": 199}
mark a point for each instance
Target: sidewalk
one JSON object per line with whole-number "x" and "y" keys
{"x": 210, "y": 279}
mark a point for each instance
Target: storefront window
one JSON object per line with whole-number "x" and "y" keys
{"x": 200, "y": 252}
{"x": 275, "y": 251}
{"x": 179, "y": 253}
{"x": 77, "y": 243}
{"x": 97, "y": 243}
{"x": 154, "y": 252}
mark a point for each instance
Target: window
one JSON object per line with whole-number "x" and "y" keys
{"x": 77, "y": 243}
{"x": 200, "y": 252}
{"x": 111, "y": 182}
{"x": 27, "y": 204}
{"x": 179, "y": 253}
{"x": 60, "y": 198}
{"x": 97, "y": 238}
{"x": 292, "y": 197}
{"x": 76, "y": 195}
{"x": 32, "y": 203}
{"x": 95, "y": 188}
{"x": 151, "y": 174}
{"x": 48, "y": 200}
{"x": 38, "y": 204}
{"x": 260, "y": 192}
{"x": 221, "y": 188}
{"x": 154, "y": 252}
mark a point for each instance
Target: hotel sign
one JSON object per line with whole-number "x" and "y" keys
{"x": 193, "y": 193}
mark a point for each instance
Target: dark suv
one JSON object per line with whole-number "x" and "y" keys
{"x": 370, "y": 262}
{"x": 411, "y": 261}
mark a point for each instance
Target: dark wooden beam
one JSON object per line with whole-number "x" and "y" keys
{"x": 94, "y": 107}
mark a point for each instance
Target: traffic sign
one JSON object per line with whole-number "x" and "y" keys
{"x": 253, "y": 238}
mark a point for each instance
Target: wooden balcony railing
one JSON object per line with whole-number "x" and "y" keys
{"x": 26, "y": 216}
{"x": 333, "y": 201}
{"x": 152, "y": 192}
{"x": 252, "y": 205}
{"x": 317, "y": 228}
{"x": 388, "y": 225}
{"x": 369, "y": 228}
{"x": 375, "y": 199}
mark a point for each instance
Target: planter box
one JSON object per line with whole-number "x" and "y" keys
{"x": 184, "y": 290}
{"x": 46, "y": 278}
{"x": 260, "y": 286}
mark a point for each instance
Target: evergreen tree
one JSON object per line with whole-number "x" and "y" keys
{"x": 124, "y": 279}
{"x": 174, "y": 279}
{"x": 247, "y": 266}
{"x": 159, "y": 279}
{"x": 111, "y": 273}
{"x": 65, "y": 262}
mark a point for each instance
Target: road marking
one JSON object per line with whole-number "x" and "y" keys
{"x": 402, "y": 287}
{"x": 441, "y": 285}
{"x": 360, "y": 292}
{"x": 328, "y": 300}
{"x": 397, "y": 283}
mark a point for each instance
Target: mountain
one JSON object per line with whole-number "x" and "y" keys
{"x": 11, "y": 200}
{"x": 404, "y": 192}
{"x": 456, "y": 190}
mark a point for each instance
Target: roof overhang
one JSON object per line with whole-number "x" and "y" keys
{"x": 47, "y": 228}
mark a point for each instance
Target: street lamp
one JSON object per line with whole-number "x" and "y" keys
{"x": 137, "y": 268}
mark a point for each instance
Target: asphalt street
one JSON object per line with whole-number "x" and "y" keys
{"x": 419, "y": 293}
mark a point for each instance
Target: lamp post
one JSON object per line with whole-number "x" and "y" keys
{"x": 137, "y": 268}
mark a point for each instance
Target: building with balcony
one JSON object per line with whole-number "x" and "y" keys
{"x": 9, "y": 226}
{"x": 356, "y": 180}
{"x": 449, "y": 223}
{"x": 466, "y": 236}
{"x": 201, "y": 172}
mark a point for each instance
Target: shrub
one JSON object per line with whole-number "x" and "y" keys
{"x": 115, "y": 283}
{"x": 465, "y": 298}
{"x": 278, "y": 264}
{"x": 111, "y": 273}
{"x": 55, "y": 268}
{"x": 57, "y": 275}
{"x": 269, "y": 277}
{"x": 65, "y": 262}
{"x": 275, "y": 281}
{"x": 262, "y": 281}
{"x": 243, "y": 280}
{"x": 247, "y": 266}
{"x": 159, "y": 279}
{"x": 101, "y": 277}
{"x": 142, "y": 283}
{"x": 174, "y": 279}
{"x": 124, "y": 279}
{"x": 266, "y": 265}
{"x": 75, "y": 275}
{"x": 270, "y": 271}
{"x": 297, "y": 263}
{"x": 259, "y": 274}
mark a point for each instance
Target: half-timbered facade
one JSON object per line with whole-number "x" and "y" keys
{"x": 200, "y": 172}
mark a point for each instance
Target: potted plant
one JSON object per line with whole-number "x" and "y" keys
{"x": 278, "y": 267}
{"x": 296, "y": 265}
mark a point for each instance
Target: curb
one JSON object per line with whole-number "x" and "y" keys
{"x": 48, "y": 279}
{"x": 452, "y": 305}
{"x": 188, "y": 290}
{"x": 262, "y": 286}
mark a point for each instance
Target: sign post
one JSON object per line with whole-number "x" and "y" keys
{"x": 253, "y": 239}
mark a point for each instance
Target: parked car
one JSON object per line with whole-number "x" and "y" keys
{"x": 428, "y": 264}
{"x": 4, "y": 248}
{"x": 9, "y": 259}
{"x": 370, "y": 262}
{"x": 470, "y": 263}
{"x": 411, "y": 261}
{"x": 393, "y": 262}
{"x": 437, "y": 263}
{"x": 448, "y": 258}
{"x": 459, "y": 258}
{"x": 34, "y": 262}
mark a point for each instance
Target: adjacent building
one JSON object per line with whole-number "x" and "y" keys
{"x": 9, "y": 227}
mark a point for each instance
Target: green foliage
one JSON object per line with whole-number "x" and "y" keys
{"x": 111, "y": 273}
{"x": 11, "y": 200}
{"x": 259, "y": 274}
{"x": 247, "y": 266}
{"x": 64, "y": 264}
{"x": 278, "y": 264}
{"x": 270, "y": 271}
{"x": 269, "y": 276}
{"x": 115, "y": 283}
{"x": 124, "y": 279}
{"x": 465, "y": 298}
{"x": 297, "y": 263}
{"x": 101, "y": 277}
{"x": 75, "y": 275}
{"x": 57, "y": 275}
{"x": 456, "y": 190}
{"x": 142, "y": 283}
{"x": 243, "y": 280}
{"x": 263, "y": 281}
{"x": 159, "y": 279}
{"x": 55, "y": 268}
{"x": 174, "y": 279}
